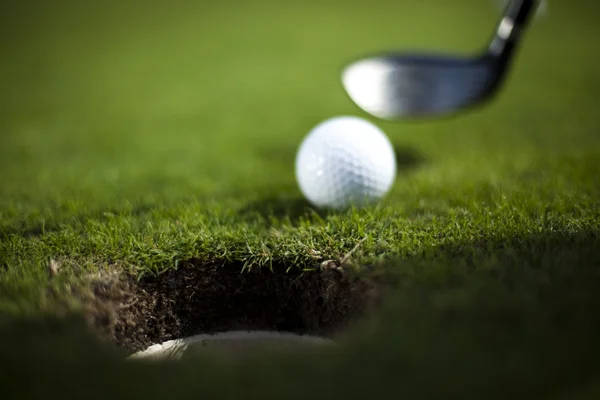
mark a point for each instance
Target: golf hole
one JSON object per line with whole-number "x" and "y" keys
{"x": 218, "y": 307}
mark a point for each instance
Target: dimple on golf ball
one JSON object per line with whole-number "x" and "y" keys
{"x": 345, "y": 161}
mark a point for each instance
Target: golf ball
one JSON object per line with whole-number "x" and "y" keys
{"x": 345, "y": 161}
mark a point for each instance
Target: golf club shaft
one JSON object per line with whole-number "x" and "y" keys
{"x": 515, "y": 18}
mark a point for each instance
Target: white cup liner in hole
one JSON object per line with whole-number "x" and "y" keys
{"x": 230, "y": 342}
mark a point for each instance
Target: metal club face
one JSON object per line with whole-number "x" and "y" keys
{"x": 393, "y": 86}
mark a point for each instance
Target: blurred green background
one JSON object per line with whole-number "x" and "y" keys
{"x": 150, "y": 101}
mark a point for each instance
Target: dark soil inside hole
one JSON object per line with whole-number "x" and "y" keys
{"x": 201, "y": 298}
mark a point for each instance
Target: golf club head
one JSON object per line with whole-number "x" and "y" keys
{"x": 405, "y": 86}
{"x": 394, "y": 86}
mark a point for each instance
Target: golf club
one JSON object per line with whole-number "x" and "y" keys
{"x": 394, "y": 86}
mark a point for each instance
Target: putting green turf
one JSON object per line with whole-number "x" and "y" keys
{"x": 136, "y": 137}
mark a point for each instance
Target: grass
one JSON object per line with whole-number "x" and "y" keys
{"x": 148, "y": 139}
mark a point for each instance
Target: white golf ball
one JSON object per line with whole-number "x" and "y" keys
{"x": 345, "y": 161}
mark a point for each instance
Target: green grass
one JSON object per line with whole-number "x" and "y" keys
{"x": 139, "y": 138}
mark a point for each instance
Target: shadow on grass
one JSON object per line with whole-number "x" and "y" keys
{"x": 297, "y": 207}
{"x": 276, "y": 208}
{"x": 408, "y": 158}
